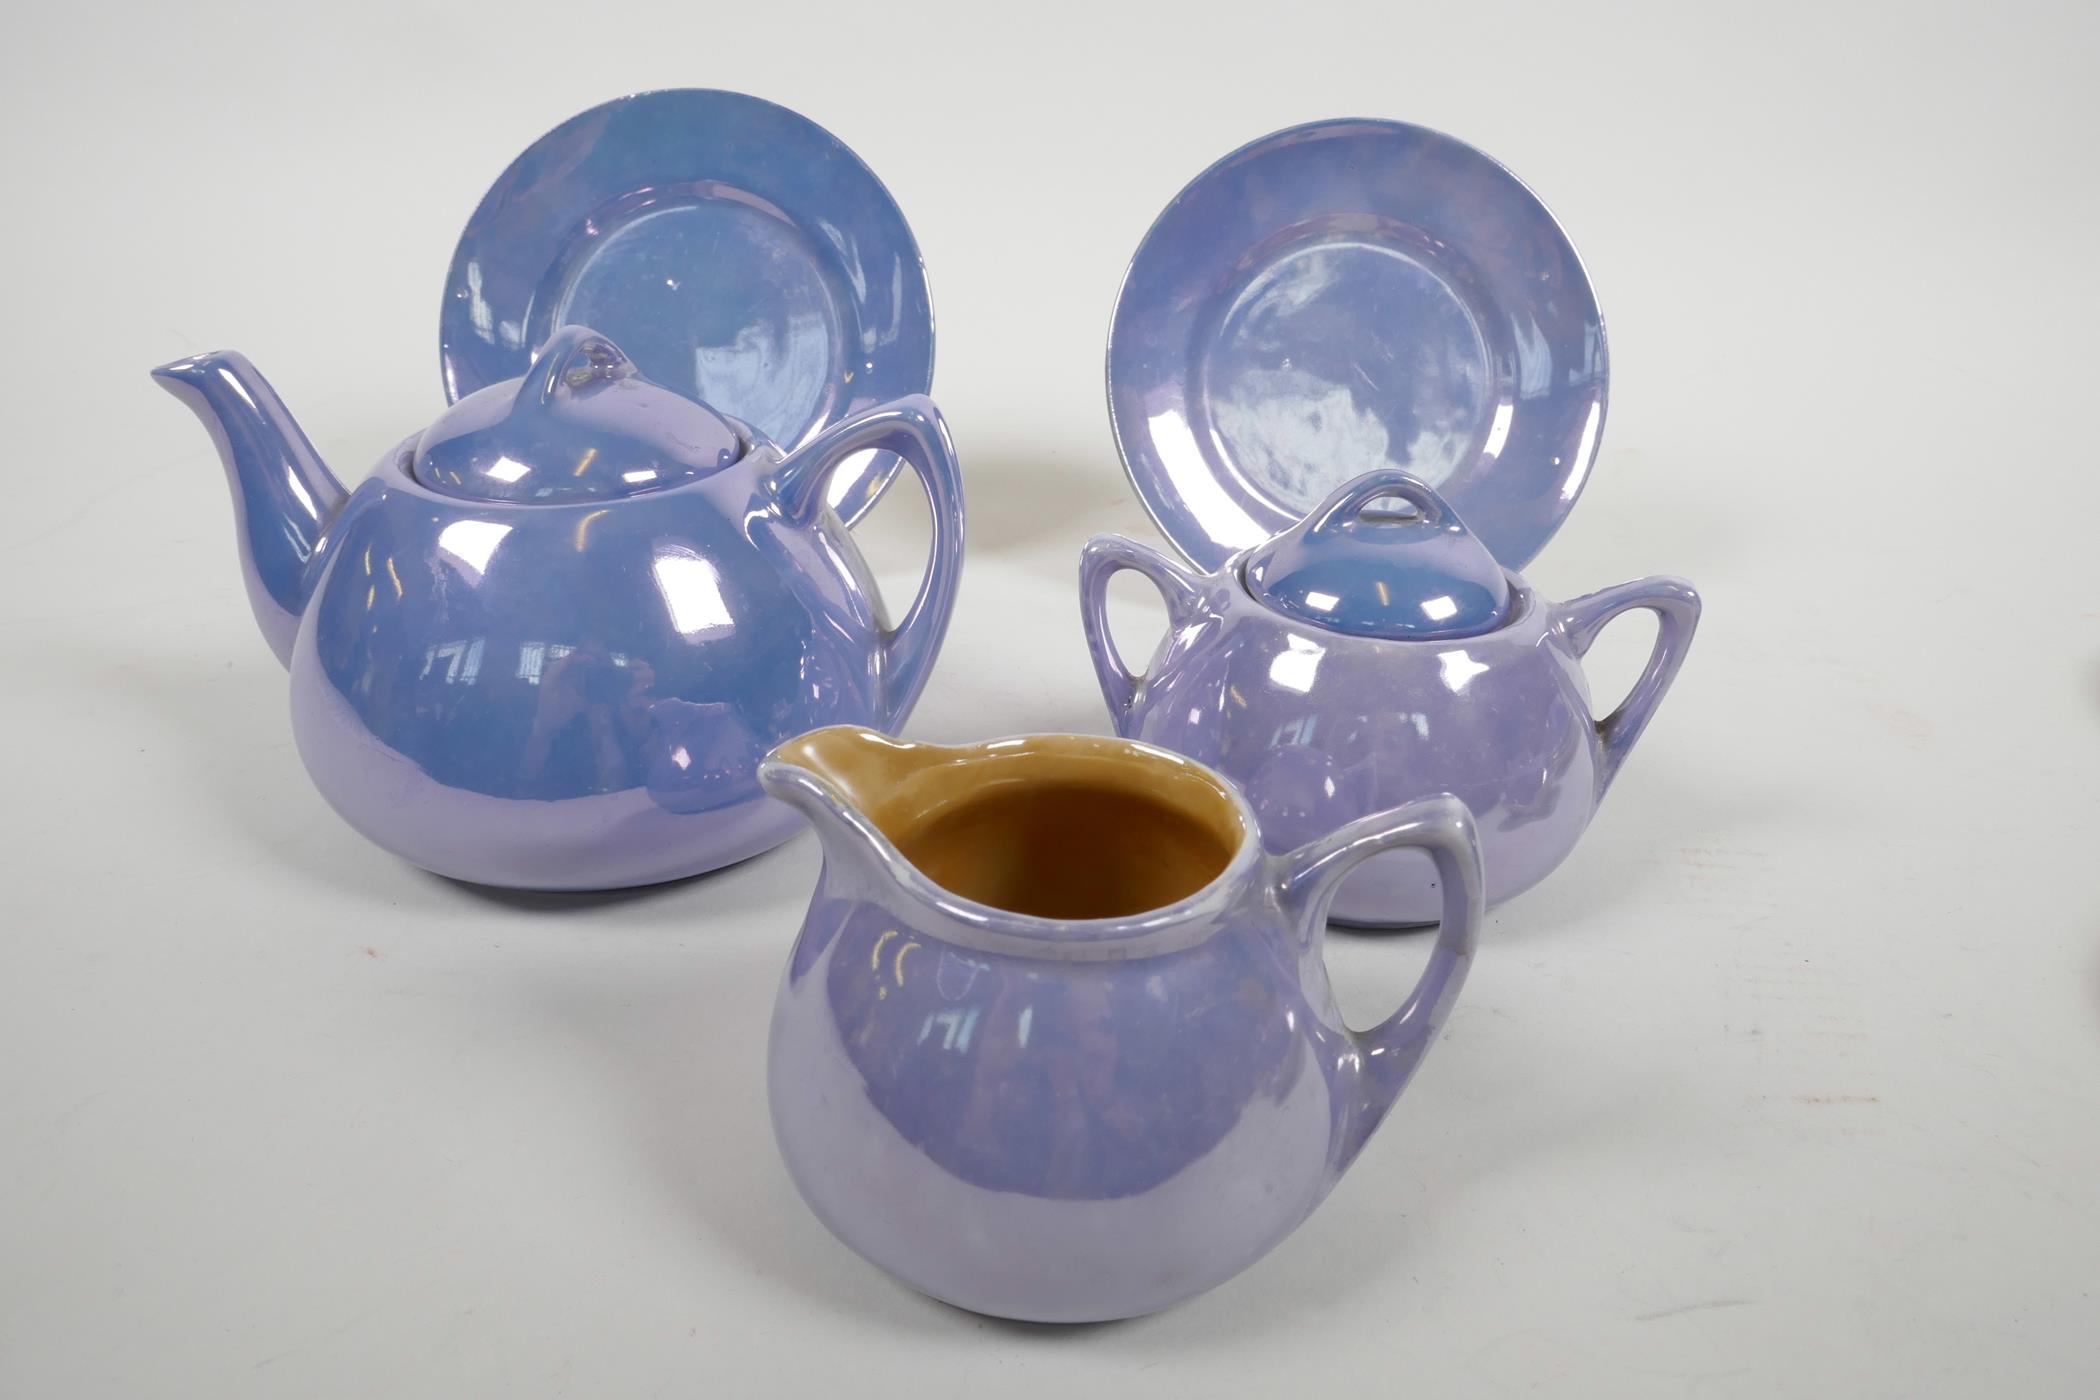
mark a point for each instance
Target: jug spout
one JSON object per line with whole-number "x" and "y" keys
{"x": 838, "y": 777}
{"x": 284, "y": 497}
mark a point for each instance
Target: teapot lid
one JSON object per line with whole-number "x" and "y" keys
{"x": 581, "y": 424}
{"x": 1412, "y": 574}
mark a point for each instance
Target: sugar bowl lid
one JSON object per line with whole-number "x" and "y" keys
{"x": 582, "y": 424}
{"x": 1362, "y": 566}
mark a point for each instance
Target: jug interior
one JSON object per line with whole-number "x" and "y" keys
{"x": 1067, "y": 850}
{"x": 1051, "y": 826}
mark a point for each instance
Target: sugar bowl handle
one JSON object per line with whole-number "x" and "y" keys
{"x": 1104, "y": 557}
{"x": 1675, "y": 604}
{"x": 910, "y": 427}
{"x": 1442, "y": 828}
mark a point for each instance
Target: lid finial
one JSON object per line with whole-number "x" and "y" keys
{"x": 581, "y": 424}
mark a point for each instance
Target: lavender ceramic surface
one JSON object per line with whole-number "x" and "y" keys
{"x": 739, "y": 252}
{"x": 546, "y": 643}
{"x": 1359, "y": 565}
{"x": 1348, "y": 295}
{"x": 1319, "y": 727}
{"x": 1068, "y": 1121}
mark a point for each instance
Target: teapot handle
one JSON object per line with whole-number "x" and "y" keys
{"x": 1675, "y": 604}
{"x": 1442, "y": 828}
{"x": 1103, "y": 558}
{"x": 910, "y": 427}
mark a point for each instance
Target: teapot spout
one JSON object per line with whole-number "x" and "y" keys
{"x": 284, "y": 497}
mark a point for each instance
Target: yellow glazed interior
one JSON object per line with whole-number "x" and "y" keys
{"x": 1050, "y": 826}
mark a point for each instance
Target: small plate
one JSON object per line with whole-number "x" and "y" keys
{"x": 736, "y": 251}
{"x": 1345, "y": 296}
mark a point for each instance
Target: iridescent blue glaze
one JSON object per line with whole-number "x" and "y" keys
{"x": 545, "y": 644}
{"x": 737, "y": 251}
{"x": 1381, "y": 573}
{"x": 1319, "y": 727}
{"x": 1348, "y": 295}
{"x": 1073, "y": 1119}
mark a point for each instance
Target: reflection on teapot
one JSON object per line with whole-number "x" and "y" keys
{"x": 547, "y": 641}
{"x": 702, "y": 756}
{"x": 1056, "y": 1041}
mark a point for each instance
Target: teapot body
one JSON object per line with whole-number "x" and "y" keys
{"x": 1320, "y": 727}
{"x": 576, "y": 696}
{"x": 546, "y": 642}
{"x": 1070, "y": 1121}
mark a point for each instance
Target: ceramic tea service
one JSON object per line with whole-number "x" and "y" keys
{"x": 1375, "y": 653}
{"x": 1056, "y": 1040}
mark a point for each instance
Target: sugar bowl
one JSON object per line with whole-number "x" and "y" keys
{"x": 1375, "y": 653}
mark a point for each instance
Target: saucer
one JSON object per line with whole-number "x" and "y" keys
{"x": 737, "y": 252}
{"x": 1346, "y": 296}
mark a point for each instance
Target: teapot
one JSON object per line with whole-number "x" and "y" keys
{"x": 1055, "y": 1041}
{"x": 1374, "y": 653}
{"x": 546, "y": 642}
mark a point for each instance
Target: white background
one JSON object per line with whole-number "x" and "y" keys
{"x": 1787, "y": 1083}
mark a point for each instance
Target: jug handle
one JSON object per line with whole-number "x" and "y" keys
{"x": 1103, "y": 558}
{"x": 912, "y": 428}
{"x": 1442, "y": 828}
{"x": 1675, "y": 604}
